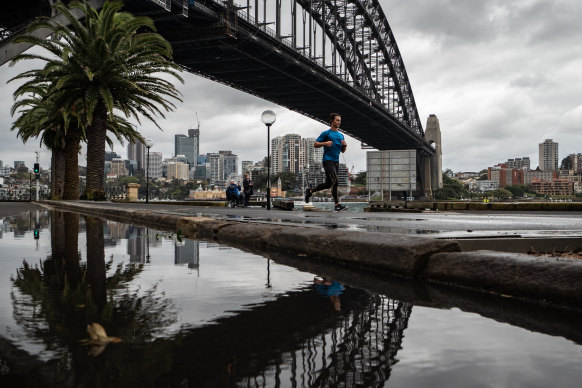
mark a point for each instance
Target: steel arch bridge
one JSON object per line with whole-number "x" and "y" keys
{"x": 310, "y": 56}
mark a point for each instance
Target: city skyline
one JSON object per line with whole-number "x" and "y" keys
{"x": 501, "y": 78}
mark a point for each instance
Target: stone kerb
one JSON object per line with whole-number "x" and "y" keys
{"x": 399, "y": 255}
{"x": 544, "y": 279}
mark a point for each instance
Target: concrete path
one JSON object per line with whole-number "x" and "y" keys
{"x": 13, "y": 208}
{"x": 332, "y": 238}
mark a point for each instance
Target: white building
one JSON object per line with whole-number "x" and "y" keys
{"x": 155, "y": 165}
{"x": 487, "y": 185}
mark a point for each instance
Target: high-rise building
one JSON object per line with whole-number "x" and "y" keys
{"x": 230, "y": 162}
{"x": 188, "y": 146}
{"x": 155, "y": 165}
{"x": 136, "y": 152}
{"x": 216, "y": 172}
{"x": 576, "y": 160}
{"x": 286, "y": 153}
{"x": 292, "y": 153}
{"x": 177, "y": 170}
{"x": 519, "y": 163}
{"x": 18, "y": 163}
{"x": 118, "y": 168}
{"x": 222, "y": 165}
{"x": 548, "y": 152}
{"x": 309, "y": 154}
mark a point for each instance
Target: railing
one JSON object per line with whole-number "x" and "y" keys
{"x": 116, "y": 192}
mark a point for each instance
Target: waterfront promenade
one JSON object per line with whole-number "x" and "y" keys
{"x": 456, "y": 249}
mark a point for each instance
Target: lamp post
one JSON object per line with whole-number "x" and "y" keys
{"x": 268, "y": 118}
{"x": 148, "y": 143}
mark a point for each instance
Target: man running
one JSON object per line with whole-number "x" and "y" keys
{"x": 334, "y": 143}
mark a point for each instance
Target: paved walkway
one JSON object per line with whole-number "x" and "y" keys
{"x": 12, "y": 208}
{"x": 450, "y": 224}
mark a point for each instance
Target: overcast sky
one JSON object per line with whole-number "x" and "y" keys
{"x": 500, "y": 75}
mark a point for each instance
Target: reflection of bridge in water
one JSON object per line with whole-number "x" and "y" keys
{"x": 311, "y": 56}
{"x": 297, "y": 340}
{"x": 359, "y": 351}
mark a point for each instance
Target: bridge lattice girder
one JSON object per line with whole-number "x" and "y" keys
{"x": 359, "y": 31}
{"x": 357, "y": 71}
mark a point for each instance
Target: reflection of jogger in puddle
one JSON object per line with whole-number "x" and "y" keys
{"x": 326, "y": 286}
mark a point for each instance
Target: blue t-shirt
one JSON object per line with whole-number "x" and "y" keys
{"x": 331, "y": 153}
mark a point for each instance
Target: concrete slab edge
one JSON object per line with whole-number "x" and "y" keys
{"x": 435, "y": 261}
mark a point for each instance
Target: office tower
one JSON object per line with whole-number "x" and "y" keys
{"x": 216, "y": 172}
{"x": 230, "y": 162}
{"x": 222, "y": 165}
{"x": 548, "y": 153}
{"x": 188, "y": 146}
{"x": 137, "y": 152}
{"x": 18, "y": 163}
{"x": 155, "y": 165}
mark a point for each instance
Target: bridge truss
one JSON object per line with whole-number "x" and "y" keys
{"x": 311, "y": 56}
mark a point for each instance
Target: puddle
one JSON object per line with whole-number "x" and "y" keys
{"x": 196, "y": 313}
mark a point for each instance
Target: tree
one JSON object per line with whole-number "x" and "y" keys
{"x": 566, "y": 163}
{"x": 452, "y": 189}
{"x": 288, "y": 181}
{"x": 516, "y": 191}
{"x": 501, "y": 193}
{"x": 360, "y": 179}
{"x": 107, "y": 62}
{"x": 39, "y": 116}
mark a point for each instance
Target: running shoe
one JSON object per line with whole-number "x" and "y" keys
{"x": 307, "y": 194}
{"x": 340, "y": 208}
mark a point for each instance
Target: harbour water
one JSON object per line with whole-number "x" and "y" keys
{"x": 199, "y": 314}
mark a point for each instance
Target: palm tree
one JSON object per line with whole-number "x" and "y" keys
{"x": 107, "y": 62}
{"x": 59, "y": 131}
{"x": 39, "y": 117}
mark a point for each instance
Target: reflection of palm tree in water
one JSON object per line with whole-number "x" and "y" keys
{"x": 56, "y": 300}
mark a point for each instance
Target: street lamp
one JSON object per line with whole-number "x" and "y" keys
{"x": 268, "y": 118}
{"x": 148, "y": 143}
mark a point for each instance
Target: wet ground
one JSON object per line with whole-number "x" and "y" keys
{"x": 449, "y": 224}
{"x": 198, "y": 314}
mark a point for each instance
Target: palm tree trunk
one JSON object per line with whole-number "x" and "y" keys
{"x": 71, "y": 191}
{"x": 58, "y": 173}
{"x": 96, "y": 134}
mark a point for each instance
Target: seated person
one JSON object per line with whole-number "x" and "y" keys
{"x": 233, "y": 193}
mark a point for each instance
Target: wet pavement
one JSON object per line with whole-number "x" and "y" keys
{"x": 449, "y": 224}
